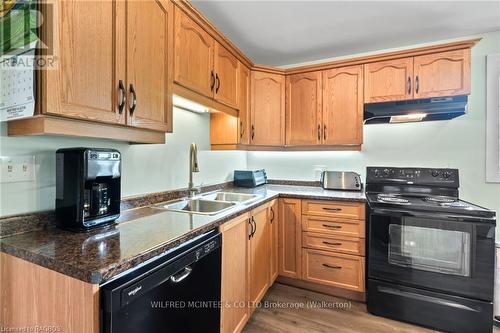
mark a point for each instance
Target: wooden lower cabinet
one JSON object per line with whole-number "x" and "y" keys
{"x": 333, "y": 269}
{"x": 259, "y": 255}
{"x": 290, "y": 237}
{"x": 235, "y": 274}
{"x": 35, "y": 296}
{"x": 273, "y": 240}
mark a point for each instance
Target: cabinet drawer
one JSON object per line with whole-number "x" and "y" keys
{"x": 334, "y": 269}
{"x": 352, "y": 228}
{"x": 348, "y": 245}
{"x": 341, "y": 209}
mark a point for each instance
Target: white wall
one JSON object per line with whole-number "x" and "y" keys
{"x": 146, "y": 168}
{"x": 459, "y": 143}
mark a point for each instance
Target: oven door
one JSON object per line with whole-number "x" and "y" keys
{"x": 433, "y": 251}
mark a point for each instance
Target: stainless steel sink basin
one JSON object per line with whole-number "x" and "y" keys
{"x": 232, "y": 197}
{"x": 198, "y": 206}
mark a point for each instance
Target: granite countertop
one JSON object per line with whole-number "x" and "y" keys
{"x": 141, "y": 234}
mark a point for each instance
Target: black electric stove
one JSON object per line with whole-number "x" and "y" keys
{"x": 430, "y": 255}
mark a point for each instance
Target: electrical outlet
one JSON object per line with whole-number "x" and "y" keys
{"x": 17, "y": 169}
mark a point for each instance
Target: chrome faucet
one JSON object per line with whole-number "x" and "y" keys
{"x": 193, "y": 167}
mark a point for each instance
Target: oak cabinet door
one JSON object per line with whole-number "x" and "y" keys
{"x": 343, "y": 106}
{"x": 259, "y": 255}
{"x": 91, "y": 61}
{"x": 390, "y": 80}
{"x": 442, "y": 74}
{"x": 303, "y": 109}
{"x": 235, "y": 274}
{"x": 267, "y": 109}
{"x": 226, "y": 76}
{"x": 290, "y": 238}
{"x": 149, "y": 69}
{"x": 244, "y": 104}
{"x": 273, "y": 240}
{"x": 194, "y": 51}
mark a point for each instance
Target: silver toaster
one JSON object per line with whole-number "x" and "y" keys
{"x": 341, "y": 180}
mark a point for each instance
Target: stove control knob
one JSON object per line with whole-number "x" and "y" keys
{"x": 376, "y": 172}
{"x": 386, "y": 172}
{"x": 435, "y": 173}
{"x": 446, "y": 174}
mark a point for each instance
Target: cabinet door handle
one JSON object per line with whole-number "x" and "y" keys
{"x": 409, "y": 85}
{"x": 242, "y": 130}
{"x": 218, "y": 83}
{"x": 332, "y": 226}
{"x": 122, "y": 97}
{"x": 417, "y": 84}
{"x": 134, "y": 100}
{"x": 272, "y": 218}
{"x": 319, "y": 132}
{"x": 254, "y": 226}
{"x": 324, "y": 132}
{"x": 332, "y": 267}
{"x": 212, "y": 80}
{"x": 331, "y": 244}
{"x": 332, "y": 209}
{"x": 253, "y": 132}
{"x": 251, "y": 228}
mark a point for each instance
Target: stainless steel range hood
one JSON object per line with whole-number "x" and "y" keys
{"x": 428, "y": 109}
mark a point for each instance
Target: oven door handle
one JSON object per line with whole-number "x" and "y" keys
{"x": 431, "y": 215}
{"x": 426, "y": 298}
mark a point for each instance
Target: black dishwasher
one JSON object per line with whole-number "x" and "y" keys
{"x": 176, "y": 292}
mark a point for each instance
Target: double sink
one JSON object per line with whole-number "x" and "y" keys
{"x": 210, "y": 203}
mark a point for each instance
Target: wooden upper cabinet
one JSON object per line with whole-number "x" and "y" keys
{"x": 244, "y": 104}
{"x": 442, "y": 74}
{"x": 150, "y": 80}
{"x": 343, "y": 106}
{"x": 267, "y": 109}
{"x": 91, "y": 61}
{"x": 390, "y": 80}
{"x": 303, "y": 109}
{"x": 193, "y": 60}
{"x": 226, "y": 76}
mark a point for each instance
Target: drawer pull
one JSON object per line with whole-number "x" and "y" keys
{"x": 332, "y": 209}
{"x": 332, "y": 244}
{"x": 332, "y": 226}
{"x": 332, "y": 267}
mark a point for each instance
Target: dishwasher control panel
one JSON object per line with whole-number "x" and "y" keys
{"x": 207, "y": 248}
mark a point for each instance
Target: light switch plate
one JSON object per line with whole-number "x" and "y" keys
{"x": 17, "y": 169}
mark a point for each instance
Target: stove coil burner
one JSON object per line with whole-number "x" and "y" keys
{"x": 455, "y": 204}
{"x": 440, "y": 200}
{"x": 391, "y": 198}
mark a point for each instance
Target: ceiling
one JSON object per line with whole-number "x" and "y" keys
{"x": 290, "y": 32}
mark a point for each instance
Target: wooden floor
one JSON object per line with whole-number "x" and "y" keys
{"x": 348, "y": 320}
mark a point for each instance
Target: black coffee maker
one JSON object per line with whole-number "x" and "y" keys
{"x": 87, "y": 187}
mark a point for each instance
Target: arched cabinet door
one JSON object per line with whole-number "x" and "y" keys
{"x": 387, "y": 81}
{"x": 226, "y": 74}
{"x": 343, "y": 106}
{"x": 193, "y": 59}
{"x": 267, "y": 109}
{"x": 149, "y": 82}
{"x": 442, "y": 74}
{"x": 303, "y": 109}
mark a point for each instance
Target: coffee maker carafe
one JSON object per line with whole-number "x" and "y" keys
{"x": 87, "y": 187}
